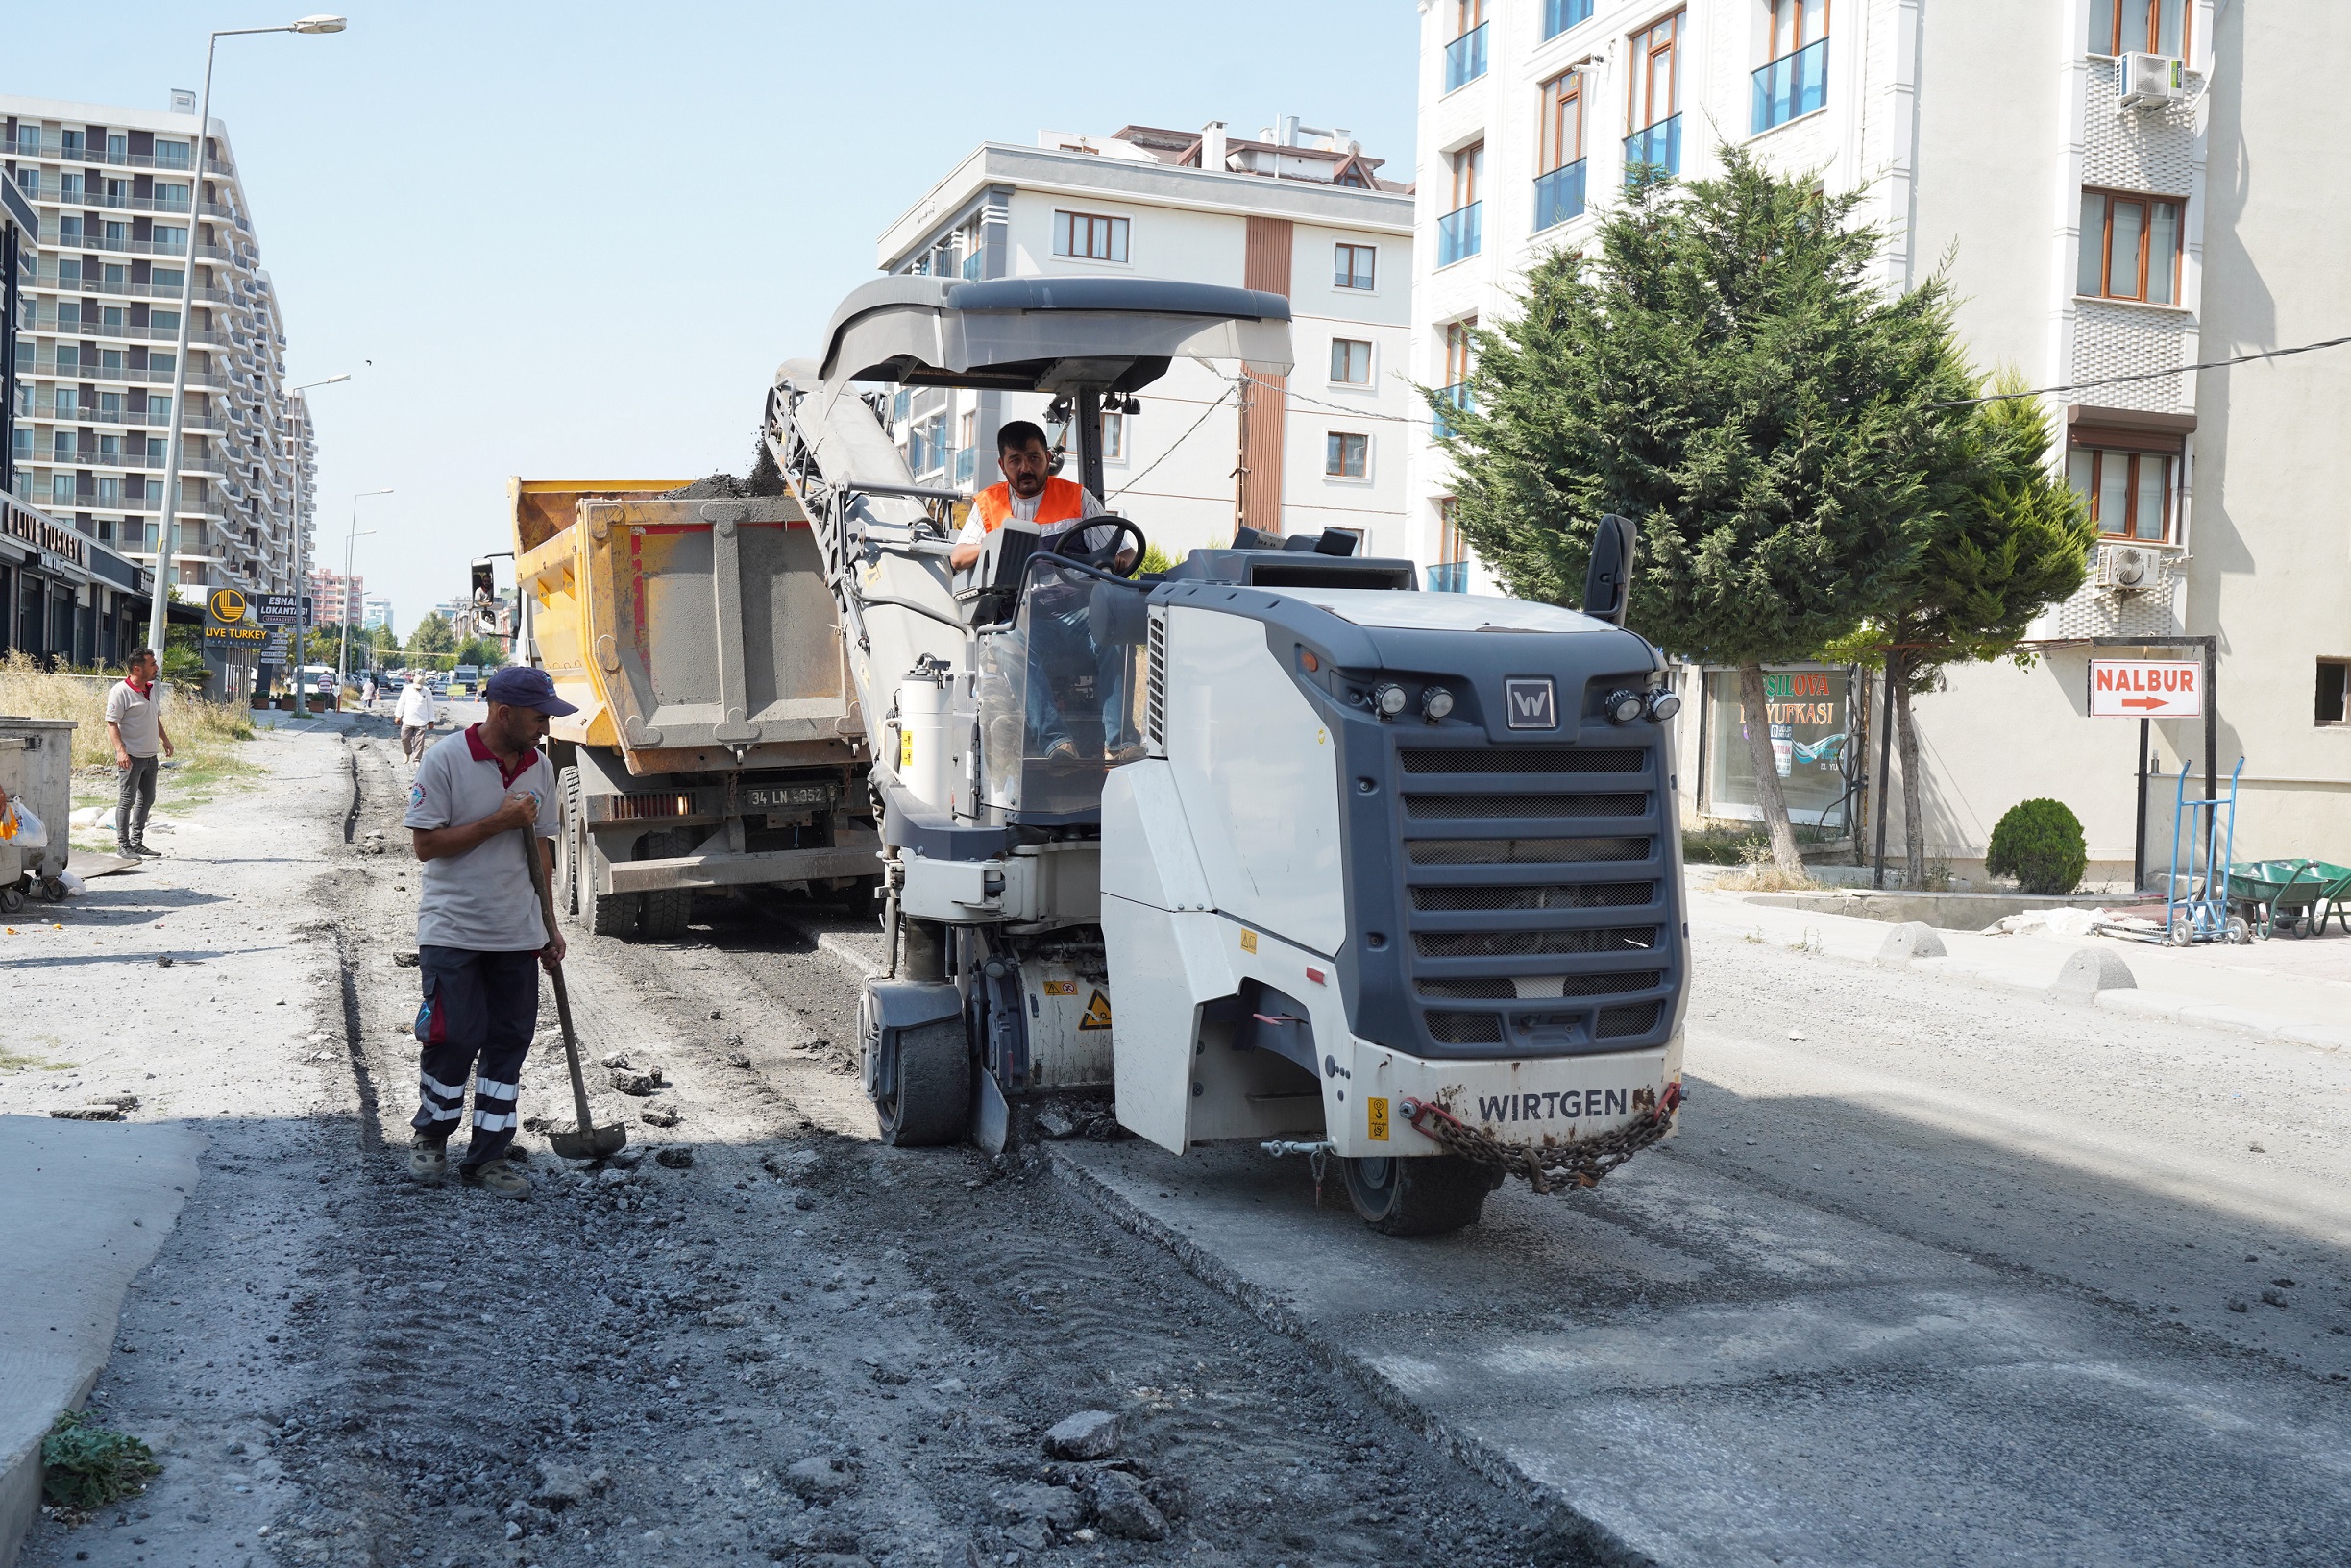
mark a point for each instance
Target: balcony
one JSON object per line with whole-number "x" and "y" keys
{"x": 1465, "y": 58}
{"x": 966, "y": 464}
{"x": 1792, "y": 86}
{"x": 1456, "y": 396}
{"x": 56, "y": 151}
{"x": 1654, "y": 153}
{"x": 1452, "y": 577}
{"x": 1457, "y": 234}
{"x": 1559, "y": 196}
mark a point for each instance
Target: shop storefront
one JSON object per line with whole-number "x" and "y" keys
{"x": 64, "y": 597}
{"x": 1809, "y": 710}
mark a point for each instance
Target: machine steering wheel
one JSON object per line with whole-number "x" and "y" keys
{"x": 1071, "y": 543}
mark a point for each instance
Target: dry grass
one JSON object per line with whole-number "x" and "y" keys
{"x": 1756, "y": 872}
{"x": 207, "y": 735}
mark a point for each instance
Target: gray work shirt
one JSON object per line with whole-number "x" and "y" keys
{"x": 139, "y": 716}
{"x": 481, "y": 900}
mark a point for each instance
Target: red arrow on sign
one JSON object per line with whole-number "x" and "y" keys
{"x": 2146, "y": 702}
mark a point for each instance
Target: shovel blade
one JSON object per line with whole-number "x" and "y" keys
{"x": 590, "y": 1143}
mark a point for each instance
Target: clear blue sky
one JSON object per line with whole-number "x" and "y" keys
{"x": 574, "y": 239}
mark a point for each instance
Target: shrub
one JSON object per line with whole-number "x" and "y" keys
{"x": 85, "y": 1466}
{"x": 2039, "y": 844}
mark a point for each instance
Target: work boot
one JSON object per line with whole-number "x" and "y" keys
{"x": 428, "y": 1162}
{"x": 497, "y": 1176}
{"x": 138, "y": 848}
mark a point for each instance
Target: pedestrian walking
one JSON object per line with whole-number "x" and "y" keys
{"x": 480, "y": 935}
{"x": 414, "y": 714}
{"x": 135, "y": 724}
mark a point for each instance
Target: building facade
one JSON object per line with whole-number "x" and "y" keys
{"x": 2119, "y": 188}
{"x": 119, "y": 223}
{"x": 335, "y": 599}
{"x": 375, "y": 613}
{"x": 1295, "y": 211}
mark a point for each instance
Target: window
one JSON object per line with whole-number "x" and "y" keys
{"x": 2129, "y": 492}
{"x": 1349, "y": 362}
{"x": 2138, "y": 27}
{"x": 69, "y": 231}
{"x": 1347, "y": 456}
{"x": 110, "y": 361}
{"x": 110, "y": 407}
{"x": 117, "y": 148}
{"x": 1113, "y": 438}
{"x": 170, "y": 238}
{"x": 110, "y": 491}
{"x": 61, "y": 490}
{"x": 69, "y": 143}
{"x": 170, "y": 154}
{"x": 162, "y": 277}
{"x": 1086, "y": 237}
{"x": 159, "y": 360}
{"x": 60, "y": 446}
{"x": 64, "y": 403}
{"x": 2333, "y": 680}
{"x": 118, "y": 236}
{"x": 1794, "y": 81}
{"x": 1458, "y": 231}
{"x": 1451, "y": 574}
{"x": 28, "y": 139}
{"x": 69, "y": 271}
{"x": 2130, "y": 248}
{"x": 1558, "y": 16}
{"x": 110, "y": 447}
{"x": 1559, "y": 182}
{"x": 69, "y": 358}
{"x": 155, "y": 443}
{"x": 163, "y": 321}
{"x": 1458, "y": 350}
{"x": 1354, "y": 266}
{"x": 158, "y": 413}
{"x": 1465, "y": 55}
{"x": 1654, "y": 104}
{"x": 171, "y": 198}
{"x": 109, "y": 319}
{"x": 113, "y": 277}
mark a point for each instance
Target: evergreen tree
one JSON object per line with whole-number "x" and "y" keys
{"x": 432, "y": 635}
{"x": 1723, "y": 370}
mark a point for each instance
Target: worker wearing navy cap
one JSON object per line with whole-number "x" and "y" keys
{"x": 480, "y": 935}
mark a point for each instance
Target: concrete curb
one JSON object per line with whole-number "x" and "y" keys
{"x": 1601, "y": 1543}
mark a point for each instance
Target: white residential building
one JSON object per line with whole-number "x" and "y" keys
{"x": 1295, "y": 211}
{"x": 2123, "y": 187}
{"x": 111, "y": 188}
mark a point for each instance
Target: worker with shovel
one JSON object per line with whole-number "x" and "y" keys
{"x": 479, "y": 931}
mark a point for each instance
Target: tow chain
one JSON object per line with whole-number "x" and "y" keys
{"x": 1558, "y": 1167}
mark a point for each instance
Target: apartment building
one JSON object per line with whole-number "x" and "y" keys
{"x": 335, "y": 599}
{"x": 119, "y": 224}
{"x": 375, "y": 614}
{"x": 1294, "y": 211}
{"x": 2122, "y": 188}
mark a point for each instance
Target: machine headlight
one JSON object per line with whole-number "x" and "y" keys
{"x": 1435, "y": 704}
{"x": 1623, "y": 707}
{"x": 1663, "y": 705}
{"x": 1389, "y": 699}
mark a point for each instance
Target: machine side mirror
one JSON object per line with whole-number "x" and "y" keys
{"x": 1607, "y": 583}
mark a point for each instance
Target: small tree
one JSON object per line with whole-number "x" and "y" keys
{"x": 2007, "y": 538}
{"x": 432, "y": 635}
{"x": 1723, "y": 372}
{"x": 385, "y": 643}
{"x": 486, "y": 651}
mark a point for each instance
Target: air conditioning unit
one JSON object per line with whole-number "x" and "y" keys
{"x": 2129, "y": 569}
{"x": 2151, "y": 81}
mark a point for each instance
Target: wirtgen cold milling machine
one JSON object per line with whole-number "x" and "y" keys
{"x": 1344, "y": 868}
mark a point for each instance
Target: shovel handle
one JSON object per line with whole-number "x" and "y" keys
{"x": 563, "y": 996}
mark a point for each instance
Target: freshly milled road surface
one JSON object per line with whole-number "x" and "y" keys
{"x": 1936, "y": 1273}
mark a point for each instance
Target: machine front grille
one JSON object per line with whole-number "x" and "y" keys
{"x": 1529, "y": 807}
{"x": 1546, "y": 872}
{"x": 1525, "y": 759}
{"x": 1524, "y": 851}
{"x": 1536, "y": 896}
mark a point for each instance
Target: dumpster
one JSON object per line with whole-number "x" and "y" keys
{"x": 36, "y": 768}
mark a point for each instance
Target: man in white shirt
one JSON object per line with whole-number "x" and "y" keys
{"x": 135, "y": 724}
{"x": 414, "y": 714}
{"x": 480, "y": 934}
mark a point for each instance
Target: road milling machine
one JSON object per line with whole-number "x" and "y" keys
{"x": 1273, "y": 846}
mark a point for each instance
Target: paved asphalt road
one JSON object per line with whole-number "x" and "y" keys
{"x": 1936, "y": 1273}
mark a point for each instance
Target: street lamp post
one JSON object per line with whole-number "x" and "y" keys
{"x": 302, "y": 546}
{"x": 156, "y": 622}
{"x": 342, "y": 665}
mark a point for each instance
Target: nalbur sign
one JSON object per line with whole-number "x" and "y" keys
{"x": 2146, "y": 689}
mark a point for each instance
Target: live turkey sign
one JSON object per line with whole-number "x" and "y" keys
{"x": 2145, "y": 689}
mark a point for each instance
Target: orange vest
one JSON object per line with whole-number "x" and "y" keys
{"x": 1063, "y": 502}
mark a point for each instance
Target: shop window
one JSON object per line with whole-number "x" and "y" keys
{"x": 1808, "y": 712}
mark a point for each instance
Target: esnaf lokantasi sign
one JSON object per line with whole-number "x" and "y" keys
{"x": 2146, "y": 689}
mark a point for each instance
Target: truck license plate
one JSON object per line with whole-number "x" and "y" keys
{"x": 787, "y": 796}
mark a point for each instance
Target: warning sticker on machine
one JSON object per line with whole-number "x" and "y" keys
{"x": 1375, "y": 1111}
{"x": 1248, "y": 942}
{"x": 1097, "y": 1013}
{"x": 1060, "y": 987}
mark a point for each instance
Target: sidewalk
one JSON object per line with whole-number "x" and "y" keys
{"x": 2286, "y": 989}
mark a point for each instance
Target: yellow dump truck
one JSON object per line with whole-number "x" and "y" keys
{"x": 718, "y": 742}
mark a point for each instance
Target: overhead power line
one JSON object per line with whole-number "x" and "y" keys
{"x": 2144, "y": 375}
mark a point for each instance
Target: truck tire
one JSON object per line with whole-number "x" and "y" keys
{"x": 567, "y": 847}
{"x": 606, "y": 913}
{"x": 663, "y": 916}
{"x": 1434, "y": 1195}
{"x": 932, "y": 1104}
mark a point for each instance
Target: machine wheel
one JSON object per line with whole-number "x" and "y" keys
{"x": 932, "y": 1104}
{"x": 2237, "y": 933}
{"x": 53, "y": 890}
{"x": 567, "y": 850}
{"x": 1434, "y": 1195}
{"x": 664, "y": 915}
{"x": 12, "y": 898}
{"x": 606, "y": 913}
{"x": 2183, "y": 934}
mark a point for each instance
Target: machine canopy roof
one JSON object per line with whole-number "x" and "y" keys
{"x": 1048, "y": 334}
